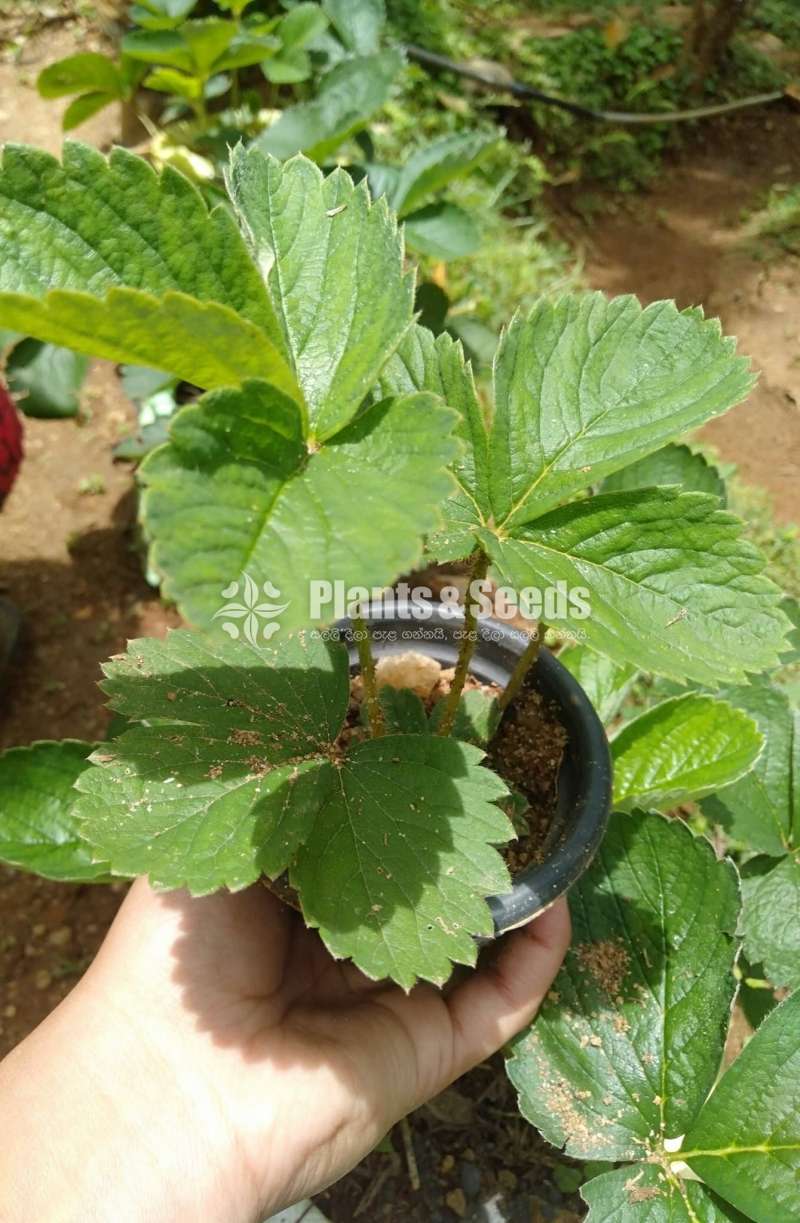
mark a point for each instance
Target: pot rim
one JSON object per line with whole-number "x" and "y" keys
{"x": 585, "y": 776}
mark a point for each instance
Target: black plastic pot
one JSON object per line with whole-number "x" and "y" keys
{"x": 584, "y": 780}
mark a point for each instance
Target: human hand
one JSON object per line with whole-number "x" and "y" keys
{"x": 251, "y": 1068}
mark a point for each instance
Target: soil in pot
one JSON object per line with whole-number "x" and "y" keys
{"x": 527, "y": 752}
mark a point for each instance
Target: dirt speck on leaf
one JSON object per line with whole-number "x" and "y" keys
{"x": 560, "y": 1099}
{"x": 607, "y": 961}
{"x": 245, "y": 738}
{"x": 640, "y": 1193}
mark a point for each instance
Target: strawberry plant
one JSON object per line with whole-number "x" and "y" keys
{"x": 338, "y": 442}
{"x": 191, "y": 59}
{"x": 200, "y": 60}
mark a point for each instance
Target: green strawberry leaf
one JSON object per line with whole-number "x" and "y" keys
{"x": 650, "y": 1194}
{"x": 425, "y": 363}
{"x": 400, "y": 859}
{"x": 672, "y": 585}
{"x": 235, "y": 492}
{"x": 347, "y": 98}
{"x": 38, "y": 829}
{"x": 93, "y": 223}
{"x": 792, "y": 653}
{"x": 196, "y": 795}
{"x": 49, "y": 378}
{"x": 403, "y": 711}
{"x": 235, "y": 771}
{"x": 437, "y": 164}
{"x": 171, "y": 80}
{"x": 320, "y": 240}
{"x": 763, "y": 809}
{"x": 442, "y": 231}
{"x": 301, "y": 25}
{"x": 161, "y": 14}
{"x": 86, "y": 72}
{"x": 684, "y": 748}
{"x": 162, "y": 46}
{"x": 247, "y": 50}
{"x": 359, "y": 23}
{"x": 288, "y": 67}
{"x": 236, "y": 7}
{"x": 745, "y": 1143}
{"x": 201, "y": 342}
{"x": 670, "y": 465}
{"x": 82, "y": 108}
{"x": 588, "y": 385}
{"x": 107, "y": 257}
{"x": 477, "y": 717}
{"x": 209, "y": 39}
{"x": 629, "y": 1041}
{"x": 605, "y": 682}
{"x": 771, "y": 920}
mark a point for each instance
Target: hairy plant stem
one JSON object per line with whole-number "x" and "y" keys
{"x": 468, "y": 643}
{"x": 526, "y": 660}
{"x": 365, "y": 657}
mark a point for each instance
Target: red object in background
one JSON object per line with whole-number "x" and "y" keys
{"x": 10, "y": 443}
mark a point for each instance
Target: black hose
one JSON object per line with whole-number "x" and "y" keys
{"x": 429, "y": 59}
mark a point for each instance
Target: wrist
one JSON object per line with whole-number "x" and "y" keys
{"x": 110, "y": 1123}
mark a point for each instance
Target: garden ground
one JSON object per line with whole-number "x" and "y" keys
{"x": 70, "y": 561}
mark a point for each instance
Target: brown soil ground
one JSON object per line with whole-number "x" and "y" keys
{"x": 69, "y": 561}
{"x": 691, "y": 238}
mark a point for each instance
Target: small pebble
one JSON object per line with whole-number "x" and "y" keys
{"x": 447, "y": 1164}
{"x": 457, "y": 1202}
{"x": 9, "y": 1011}
{"x": 493, "y": 1211}
{"x": 60, "y": 937}
{"x": 470, "y": 1179}
{"x": 42, "y": 980}
{"x": 39, "y": 929}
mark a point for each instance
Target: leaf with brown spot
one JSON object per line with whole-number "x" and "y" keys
{"x": 628, "y": 1053}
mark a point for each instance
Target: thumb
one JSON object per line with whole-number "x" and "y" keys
{"x": 498, "y": 1000}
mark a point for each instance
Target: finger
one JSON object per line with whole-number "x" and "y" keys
{"x": 503, "y": 995}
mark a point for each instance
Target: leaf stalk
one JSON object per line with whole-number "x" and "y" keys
{"x": 524, "y": 663}
{"x": 363, "y": 640}
{"x": 467, "y": 649}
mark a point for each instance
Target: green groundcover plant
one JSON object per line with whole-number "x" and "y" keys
{"x": 191, "y": 59}
{"x": 339, "y": 441}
